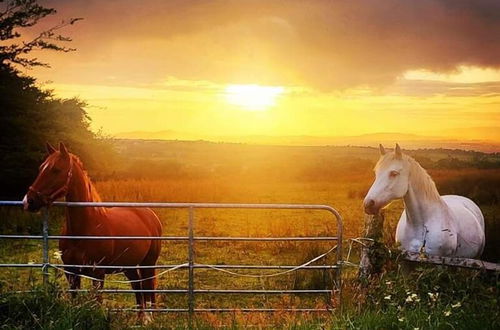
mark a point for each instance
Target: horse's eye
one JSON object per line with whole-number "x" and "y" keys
{"x": 393, "y": 174}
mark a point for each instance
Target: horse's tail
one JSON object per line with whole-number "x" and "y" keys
{"x": 156, "y": 230}
{"x": 157, "y": 223}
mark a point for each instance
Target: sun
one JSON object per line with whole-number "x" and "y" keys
{"x": 253, "y": 97}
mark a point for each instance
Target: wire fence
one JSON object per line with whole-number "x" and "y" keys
{"x": 190, "y": 264}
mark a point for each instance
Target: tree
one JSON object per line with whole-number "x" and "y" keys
{"x": 18, "y": 14}
{"x": 30, "y": 116}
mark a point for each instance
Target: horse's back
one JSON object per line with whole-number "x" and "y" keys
{"x": 134, "y": 222}
{"x": 468, "y": 204}
{"x": 469, "y": 222}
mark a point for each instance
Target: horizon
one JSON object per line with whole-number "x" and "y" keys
{"x": 410, "y": 141}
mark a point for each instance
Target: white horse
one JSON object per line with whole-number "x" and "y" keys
{"x": 451, "y": 226}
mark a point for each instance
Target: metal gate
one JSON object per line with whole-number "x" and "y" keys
{"x": 191, "y": 265}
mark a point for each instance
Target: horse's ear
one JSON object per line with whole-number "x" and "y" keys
{"x": 398, "y": 152}
{"x": 62, "y": 149}
{"x": 50, "y": 148}
{"x": 382, "y": 149}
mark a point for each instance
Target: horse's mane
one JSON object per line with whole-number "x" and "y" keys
{"x": 420, "y": 179}
{"x": 93, "y": 195}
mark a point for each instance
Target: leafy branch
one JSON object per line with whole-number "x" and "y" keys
{"x": 22, "y": 14}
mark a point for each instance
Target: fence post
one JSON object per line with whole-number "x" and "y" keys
{"x": 373, "y": 251}
{"x": 338, "y": 271}
{"x": 45, "y": 246}
{"x": 191, "y": 268}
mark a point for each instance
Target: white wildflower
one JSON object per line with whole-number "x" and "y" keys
{"x": 415, "y": 297}
{"x": 447, "y": 313}
{"x": 57, "y": 255}
{"x": 387, "y": 297}
{"x": 458, "y": 304}
{"x": 412, "y": 297}
{"x": 433, "y": 296}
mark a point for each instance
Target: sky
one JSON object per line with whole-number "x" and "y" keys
{"x": 264, "y": 67}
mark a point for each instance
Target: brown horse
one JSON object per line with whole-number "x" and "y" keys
{"x": 62, "y": 175}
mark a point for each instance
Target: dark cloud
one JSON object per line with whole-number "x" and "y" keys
{"x": 323, "y": 44}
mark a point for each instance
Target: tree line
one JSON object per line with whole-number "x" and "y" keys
{"x": 30, "y": 115}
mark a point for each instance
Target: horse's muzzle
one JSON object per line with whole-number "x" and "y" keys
{"x": 371, "y": 207}
{"x": 32, "y": 203}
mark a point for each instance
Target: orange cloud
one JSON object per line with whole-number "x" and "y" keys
{"x": 322, "y": 44}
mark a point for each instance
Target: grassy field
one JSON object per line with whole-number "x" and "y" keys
{"x": 337, "y": 176}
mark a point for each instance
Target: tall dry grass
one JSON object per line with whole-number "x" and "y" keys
{"x": 342, "y": 187}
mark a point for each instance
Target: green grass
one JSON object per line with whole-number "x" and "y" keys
{"x": 428, "y": 297}
{"x": 45, "y": 309}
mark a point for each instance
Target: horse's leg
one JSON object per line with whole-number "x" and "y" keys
{"x": 133, "y": 275}
{"x": 149, "y": 284}
{"x": 149, "y": 298}
{"x": 74, "y": 283}
{"x": 150, "y": 273}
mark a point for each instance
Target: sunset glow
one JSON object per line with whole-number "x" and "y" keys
{"x": 280, "y": 70}
{"x": 253, "y": 97}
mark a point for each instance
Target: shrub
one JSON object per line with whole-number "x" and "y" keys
{"x": 429, "y": 297}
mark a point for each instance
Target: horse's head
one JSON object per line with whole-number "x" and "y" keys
{"x": 52, "y": 181}
{"x": 391, "y": 180}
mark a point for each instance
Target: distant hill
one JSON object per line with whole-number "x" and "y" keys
{"x": 472, "y": 133}
{"x": 470, "y": 139}
{"x": 158, "y": 135}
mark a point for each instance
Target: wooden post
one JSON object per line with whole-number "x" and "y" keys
{"x": 452, "y": 261}
{"x": 373, "y": 251}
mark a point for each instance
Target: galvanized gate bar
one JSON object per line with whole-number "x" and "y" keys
{"x": 191, "y": 268}
{"x": 191, "y": 264}
{"x": 176, "y": 238}
{"x": 45, "y": 256}
{"x": 203, "y": 291}
{"x": 224, "y": 310}
{"x": 185, "y": 291}
{"x": 201, "y": 266}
